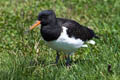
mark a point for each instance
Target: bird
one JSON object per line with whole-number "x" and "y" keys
{"x": 63, "y": 35}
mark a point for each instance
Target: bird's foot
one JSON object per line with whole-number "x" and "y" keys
{"x": 57, "y": 59}
{"x": 68, "y": 64}
{"x": 68, "y": 61}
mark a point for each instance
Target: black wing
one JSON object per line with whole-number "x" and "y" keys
{"x": 76, "y": 30}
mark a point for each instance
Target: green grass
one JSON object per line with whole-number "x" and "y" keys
{"x": 26, "y": 57}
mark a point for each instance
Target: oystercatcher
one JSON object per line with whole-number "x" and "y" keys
{"x": 63, "y": 34}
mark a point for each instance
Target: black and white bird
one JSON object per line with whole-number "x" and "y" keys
{"x": 63, "y": 34}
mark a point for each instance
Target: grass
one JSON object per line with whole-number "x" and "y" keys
{"x": 26, "y": 57}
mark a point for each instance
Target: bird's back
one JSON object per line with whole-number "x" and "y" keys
{"x": 76, "y": 30}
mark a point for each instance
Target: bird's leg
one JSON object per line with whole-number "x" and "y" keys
{"x": 68, "y": 60}
{"x": 57, "y": 58}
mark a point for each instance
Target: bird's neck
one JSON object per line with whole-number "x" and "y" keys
{"x": 50, "y": 31}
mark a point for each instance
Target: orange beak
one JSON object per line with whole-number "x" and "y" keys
{"x": 35, "y": 25}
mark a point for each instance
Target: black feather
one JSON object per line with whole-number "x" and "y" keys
{"x": 76, "y": 30}
{"x": 51, "y": 27}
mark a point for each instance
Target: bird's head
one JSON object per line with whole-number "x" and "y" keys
{"x": 44, "y": 18}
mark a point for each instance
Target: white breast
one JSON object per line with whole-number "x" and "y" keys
{"x": 65, "y": 43}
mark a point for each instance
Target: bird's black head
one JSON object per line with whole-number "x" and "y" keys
{"x": 47, "y": 17}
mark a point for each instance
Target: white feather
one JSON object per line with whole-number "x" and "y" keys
{"x": 85, "y": 45}
{"x": 65, "y": 43}
{"x": 91, "y": 42}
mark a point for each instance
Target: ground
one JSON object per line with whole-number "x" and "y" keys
{"x": 26, "y": 57}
